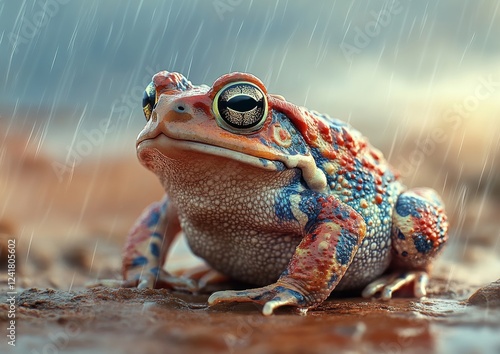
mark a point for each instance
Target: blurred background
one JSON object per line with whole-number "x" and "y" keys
{"x": 421, "y": 79}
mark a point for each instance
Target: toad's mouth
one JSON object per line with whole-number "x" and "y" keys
{"x": 168, "y": 146}
{"x": 172, "y": 147}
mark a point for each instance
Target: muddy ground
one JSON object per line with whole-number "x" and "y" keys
{"x": 157, "y": 321}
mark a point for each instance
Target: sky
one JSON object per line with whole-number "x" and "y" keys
{"x": 69, "y": 64}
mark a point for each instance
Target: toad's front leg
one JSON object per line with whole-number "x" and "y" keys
{"x": 147, "y": 246}
{"x": 333, "y": 233}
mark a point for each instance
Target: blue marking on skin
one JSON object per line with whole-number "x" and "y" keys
{"x": 401, "y": 236}
{"x": 258, "y": 297}
{"x": 341, "y": 213}
{"x": 155, "y": 271}
{"x": 155, "y": 249}
{"x": 282, "y": 204}
{"x": 280, "y": 166}
{"x": 283, "y": 209}
{"x": 360, "y": 175}
{"x": 183, "y": 84}
{"x": 319, "y": 158}
{"x": 438, "y": 226}
{"x": 345, "y": 247}
{"x": 139, "y": 261}
{"x": 407, "y": 205}
{"x": 164, "y": 206}
{"x": 333, "y": 280}
{"x": 154, "y": 217}
{"x": 298, "y": 145}
{"x": 422, "y": 244}
{"x": 300, "y": 298}
{"x": 310, "y": 206}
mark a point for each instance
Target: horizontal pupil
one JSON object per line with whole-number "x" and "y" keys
{"x": 242, "y": 103}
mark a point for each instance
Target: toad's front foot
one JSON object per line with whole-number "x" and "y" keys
{"x": 387, "y": 284}
{"x": 271, "y": 296}
{"x": 163, "y": 279}
{"x": 151, "y": 280}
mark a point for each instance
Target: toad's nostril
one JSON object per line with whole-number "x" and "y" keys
{"x": 180, "y": 108}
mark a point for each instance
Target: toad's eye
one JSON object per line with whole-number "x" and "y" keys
{"x": 240, "y": 107}
{"x": 149, "y": 100}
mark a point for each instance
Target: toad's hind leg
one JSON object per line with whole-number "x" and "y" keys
{"x": 419, "y": 231}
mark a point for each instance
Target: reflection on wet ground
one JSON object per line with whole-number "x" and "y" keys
{"x": 122, "y": 320}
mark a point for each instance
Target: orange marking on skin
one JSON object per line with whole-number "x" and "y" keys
{"x": 367, "y": 164}
{"x": 378, "y": 199}
{"x": 281, "y": 136}
{"x": 376, "y": 154}
{"x": 325, "y": 131}
{"x": 234, "y": 77}
{"x": 207, "y": 110}
{"x": 330, "y": 154}
{"x": 340, "y": 140}
{"x": 427, "y": 224}
{"x": 348, "y": 136}
{"x": 284, "y": 135}
{"x": 316, "y": 133}
{"x": 166, "y": 82}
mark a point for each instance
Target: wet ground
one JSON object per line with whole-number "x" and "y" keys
{"x": 158, "y": 321}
